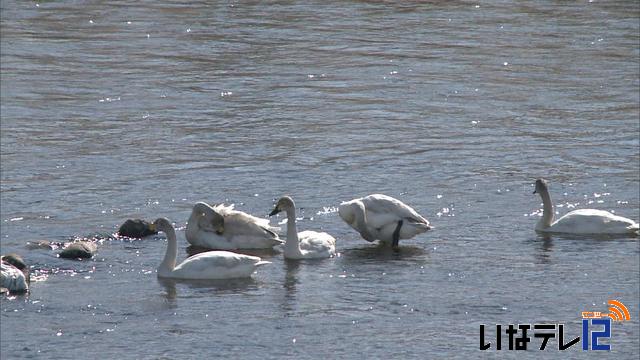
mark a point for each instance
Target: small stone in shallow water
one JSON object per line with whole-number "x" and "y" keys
{"x": 136, "y": 228}
{"x": 80, "y": 249}
{"x": 41, "y": 244}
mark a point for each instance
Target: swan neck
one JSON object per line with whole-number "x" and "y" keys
{"x": 361, "y": 220}
{"x": 169, "y": 262}
{"x": 292, "y": 245}
{"x": 547, "y": 209}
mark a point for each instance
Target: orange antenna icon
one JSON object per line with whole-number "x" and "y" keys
{"x": 618, "y": 312}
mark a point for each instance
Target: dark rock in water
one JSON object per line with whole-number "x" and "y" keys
{"x": 80, "y": 249}
{"x": 137, "y": 228}
{"x": 15, "y": 260}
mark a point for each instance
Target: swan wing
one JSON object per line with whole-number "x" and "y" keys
{"x": 592, "y": 221}
{"x": 317, "y": 244}
{"x": 241, "y": 231}
{"x": 382, "y": 209}
{"x": 240, "y": 225}
{"x": 244, "y": 220}
{"x": 217, "y": 265}
{"x": 234, "y": 238}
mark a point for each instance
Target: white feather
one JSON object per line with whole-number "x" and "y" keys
{"x": 376, "y": 217}
{"x": 241, "y": 230}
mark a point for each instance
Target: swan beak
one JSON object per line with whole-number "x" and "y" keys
{"x": 275, "y": 211}
{"x": 534, "y": 191}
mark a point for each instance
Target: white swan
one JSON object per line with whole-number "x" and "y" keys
{"x": 235, "y": 229}
{"x": 208, "y": 265}
{"x": 306, "y": 244}
{"x": 13, "y": 278}
{"x": 581, "y": 221}
{"x": 383, "y": 218}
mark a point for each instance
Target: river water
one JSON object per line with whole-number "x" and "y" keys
{"x": 125, "y": 109}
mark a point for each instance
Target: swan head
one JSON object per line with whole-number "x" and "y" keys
{"x": 208, "y": 218}
{"x": 542, "y": 186}
{"x": 163, "y": 224}
{"x": 285, "y": 203}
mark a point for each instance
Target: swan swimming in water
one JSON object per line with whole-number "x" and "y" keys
{"x": 14, "y": 274}
{"x": 235, "y": 229}
{"x": 208, "y": 265}
{"x": 581, "y": 221}
{"x": 381, "y": 217}
{"x": 306, "y": 244}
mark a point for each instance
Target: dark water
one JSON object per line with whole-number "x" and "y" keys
{"x": 112, "y": 110}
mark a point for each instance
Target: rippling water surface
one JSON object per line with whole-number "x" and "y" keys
{"x": 120, "y": 109}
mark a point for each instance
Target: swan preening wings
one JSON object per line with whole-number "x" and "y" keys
{"x": 306, "y": 244}
{"x": 221, "y": 227}
{"x": 208, "y": 265}
{"x": 381, "y": 217}
{"x": 581, "y": 221}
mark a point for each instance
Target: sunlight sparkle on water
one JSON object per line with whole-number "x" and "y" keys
{"x": 327, "y": 210}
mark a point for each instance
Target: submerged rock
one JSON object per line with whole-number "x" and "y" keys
{"x": 80, "y": 249}
{"x": 137, "y": 228}
{"x": 43, "y": 244}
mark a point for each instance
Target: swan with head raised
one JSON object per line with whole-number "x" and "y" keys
{"x": 581, "y": 221}
{"x": 381, "y": 217}
{"x": 234, "y": 229}
{"x": 209, "y": 265}
{"x": 305, "y": 244}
